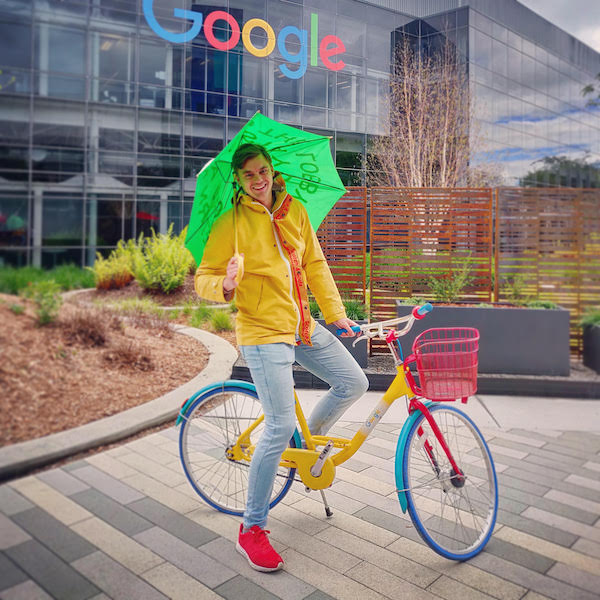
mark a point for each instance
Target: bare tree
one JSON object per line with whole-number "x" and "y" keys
{"x": 431, "y": 126}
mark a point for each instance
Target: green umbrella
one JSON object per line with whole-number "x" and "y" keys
{"x": 304, "y": 159}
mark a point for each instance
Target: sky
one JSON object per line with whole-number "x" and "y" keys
{"x": 580, "y": 18}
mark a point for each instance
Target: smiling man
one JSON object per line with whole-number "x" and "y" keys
{"x": 274, "y": 328}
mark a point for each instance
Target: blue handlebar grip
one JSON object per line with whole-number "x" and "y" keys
{"x": 425, "y": 309}
{"x": 355, "y": 328}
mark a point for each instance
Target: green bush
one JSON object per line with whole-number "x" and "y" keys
{"x": 412, "y": 301}
{"x": 591, "y": 317}
{"x": 355, "y": 309}
{"x": 221, "y": 321}
{"x": 68, "y": 277}
{"x": 449, "y": 288}
{"x": 201, "y": 315}
{"x": 514, "y": 289}
{"x": 47, "y": 298}
{"x": 161, "y": 262}
{"x": 111, "y": 273}
{"x": 130, "y": 306}
{"x": 315, "y": 311}
{"x": 17, "y": 309}
{"x": 541, "y": 304}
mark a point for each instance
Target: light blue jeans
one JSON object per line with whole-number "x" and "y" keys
{"x": 271, "y": 369}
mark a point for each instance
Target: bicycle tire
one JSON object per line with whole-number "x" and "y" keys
{"x": 212, "y": 423}
{"x": 454, "y": 518}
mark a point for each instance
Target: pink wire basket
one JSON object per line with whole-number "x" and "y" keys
{"x": 447, "y": 362}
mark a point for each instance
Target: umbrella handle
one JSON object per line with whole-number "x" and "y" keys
{"x": 240, "y": 262}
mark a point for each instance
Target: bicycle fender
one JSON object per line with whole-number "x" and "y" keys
{"x": 400, "y": 453}
{"x": 209, "y": 388}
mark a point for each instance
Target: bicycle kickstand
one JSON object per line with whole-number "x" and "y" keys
{"x": 328, "y": 511}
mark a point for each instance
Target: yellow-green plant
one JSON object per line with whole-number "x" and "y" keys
{"x": 47, "y": 299}
{"x": 161, "y": 262}
{"x": 221, "y": 321}
{"x": 200, "y": 315}
{"x": 113, "y": 272}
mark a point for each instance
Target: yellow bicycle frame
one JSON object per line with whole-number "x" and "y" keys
{"x": 302, "y": 459}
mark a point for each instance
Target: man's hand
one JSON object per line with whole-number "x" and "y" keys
{"x": 346, "y": 324}
{"x": 230, "y": 282}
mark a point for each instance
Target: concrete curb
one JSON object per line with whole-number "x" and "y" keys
{"x": 18, "y": 458}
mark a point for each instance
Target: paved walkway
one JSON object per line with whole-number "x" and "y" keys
{"x": 125, "y": 524}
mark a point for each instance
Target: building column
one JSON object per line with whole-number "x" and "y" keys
{"x": 164, "y": 213}
{"x": 92, "y": 229}
{"x": 37, "y": 226}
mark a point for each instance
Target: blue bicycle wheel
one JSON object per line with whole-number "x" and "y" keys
{"x": 454, "y": 515}
{"x": 211, "y": 425}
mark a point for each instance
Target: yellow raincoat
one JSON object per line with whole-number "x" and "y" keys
{"x": 281, "y": 257}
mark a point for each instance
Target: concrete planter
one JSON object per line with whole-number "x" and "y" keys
{"x": 519, "y": 341}
{"x": 591, "y": 347}
{"x": 359, "y": 352}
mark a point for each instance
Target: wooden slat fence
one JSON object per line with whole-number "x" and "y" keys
{"x": 548, "y": 247}
{"x": 419, "y": 233}
{"x": 343, "y": 238}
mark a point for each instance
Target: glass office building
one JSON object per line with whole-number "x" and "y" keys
{"x": 109, "y": 108}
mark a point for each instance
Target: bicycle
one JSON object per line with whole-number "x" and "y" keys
{"x": 444, "y": 471}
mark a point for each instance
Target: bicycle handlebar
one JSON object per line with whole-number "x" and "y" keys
{"x": 371, "y": 330}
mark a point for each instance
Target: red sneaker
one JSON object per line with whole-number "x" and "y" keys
{"x": 255, "y": 546}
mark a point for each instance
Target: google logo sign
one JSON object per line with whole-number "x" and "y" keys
{"x": 329, "y": 47}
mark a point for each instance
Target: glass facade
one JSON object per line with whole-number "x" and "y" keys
{"x": 109, "y": 108}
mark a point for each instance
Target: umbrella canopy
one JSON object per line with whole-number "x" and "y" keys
{"x": 304, "y": 159}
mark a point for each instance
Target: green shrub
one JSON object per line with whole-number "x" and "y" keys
{"x": 315, "y": 311}
{"x": 70, "y": 277}
{"x": 355, "y": 309}
{"x": 111, "y": 273}
{"x": 13, "y": 280}
{"x": 161, "y": 262}
{"x": 221, "y": 321}
{"x": 412, "y": 301}
{"x": 449, "y": 288}
{"x": 17, "y": 309}
{"x": 591, "y": 317}
{"x": 201, "y": 315}
{"x": 47, "y": 299}
{"x": 541, "y": 304}
{"x": 514, "y": 289}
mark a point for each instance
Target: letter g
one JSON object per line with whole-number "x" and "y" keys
{"x": 176, "y": 38}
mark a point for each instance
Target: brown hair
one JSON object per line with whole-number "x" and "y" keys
{"x": 246, "y": 151}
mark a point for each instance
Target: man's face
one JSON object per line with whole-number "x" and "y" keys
{"x": 256, "y": 179}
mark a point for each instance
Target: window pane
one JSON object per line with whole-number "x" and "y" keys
{"x": 116, "y": 57}
{"x": 16, "y": 45}
{"x": 62, "y": 220}
{"x": 65, "y": 50}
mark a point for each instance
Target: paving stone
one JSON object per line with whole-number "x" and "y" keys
{"x": 53, "y": 534}
{"x": 240, "y": 587}
{"x": 556, "y": 456}
{"x": 180, "y": 526}
{"x": 376, "y": 450}
{"x": 63, "y": 482}
{"x": 383, "y": 487}
{"x": 580, "y": 453}
{"x": 385, "y": 559}
{"x": 52, "y": 574}
{"x": 576, "y": 577}
{"x": 325, "y": 579}
{"x": 10, "y": 574}
{"x": 283, "y": 586}
{"x": 114, "y": 579}
{"x": 11, "y": 502}
{"x": 536, "y": 528}
{"x": 307, "y": 523}
{"x": 111, "y": 487}
{"x": 542, "y": 584}
{"x": 500, "y": 452}
{"x": 400, "y": 525}
{"x": 387, "y": 584}
{"x": 517, "y": 554}
{"x": 587, "y": 547}
{"x": 341, "y": 502}
{"x": 524, "y": 438}
{"x": 153, "y": 451}
{"x": 356, "y": 465}
{"x": 28, "y": 590}
{"x": 578, "y": 511}
{"x": 519, "y": 479}
{"x": 319, "y": 595}
{"x": 187, "y": 558}
{"x": 563, "y": 524}
{"x": 178, "y": 585}
{"x": 78, "y": 464}
{"x": 111, "y": 465}
{"x": 455, "y": 590}
{"x": 592, "y": 466}
{"x": 367, "y": 497}
{"x": 178, "y": 501}
{"x": 584, "y": 482}
{"x": 143, "y": 464}
{"x": 53, "y": 502}
{"x": 329, "y": 556}
{"x": 10, "y": 533}
{"x": 109, "y": 510}
{"x": 558, "y": 553}
{"x": 118, "y": 546}
{"x": 349, "y": 523}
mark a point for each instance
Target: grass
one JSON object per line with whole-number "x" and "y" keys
{"x": 200, "y": 315}
{"x": 68, "y": 277}
{"x": 137, "y": 305}
{"x": 221, "y": 321}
